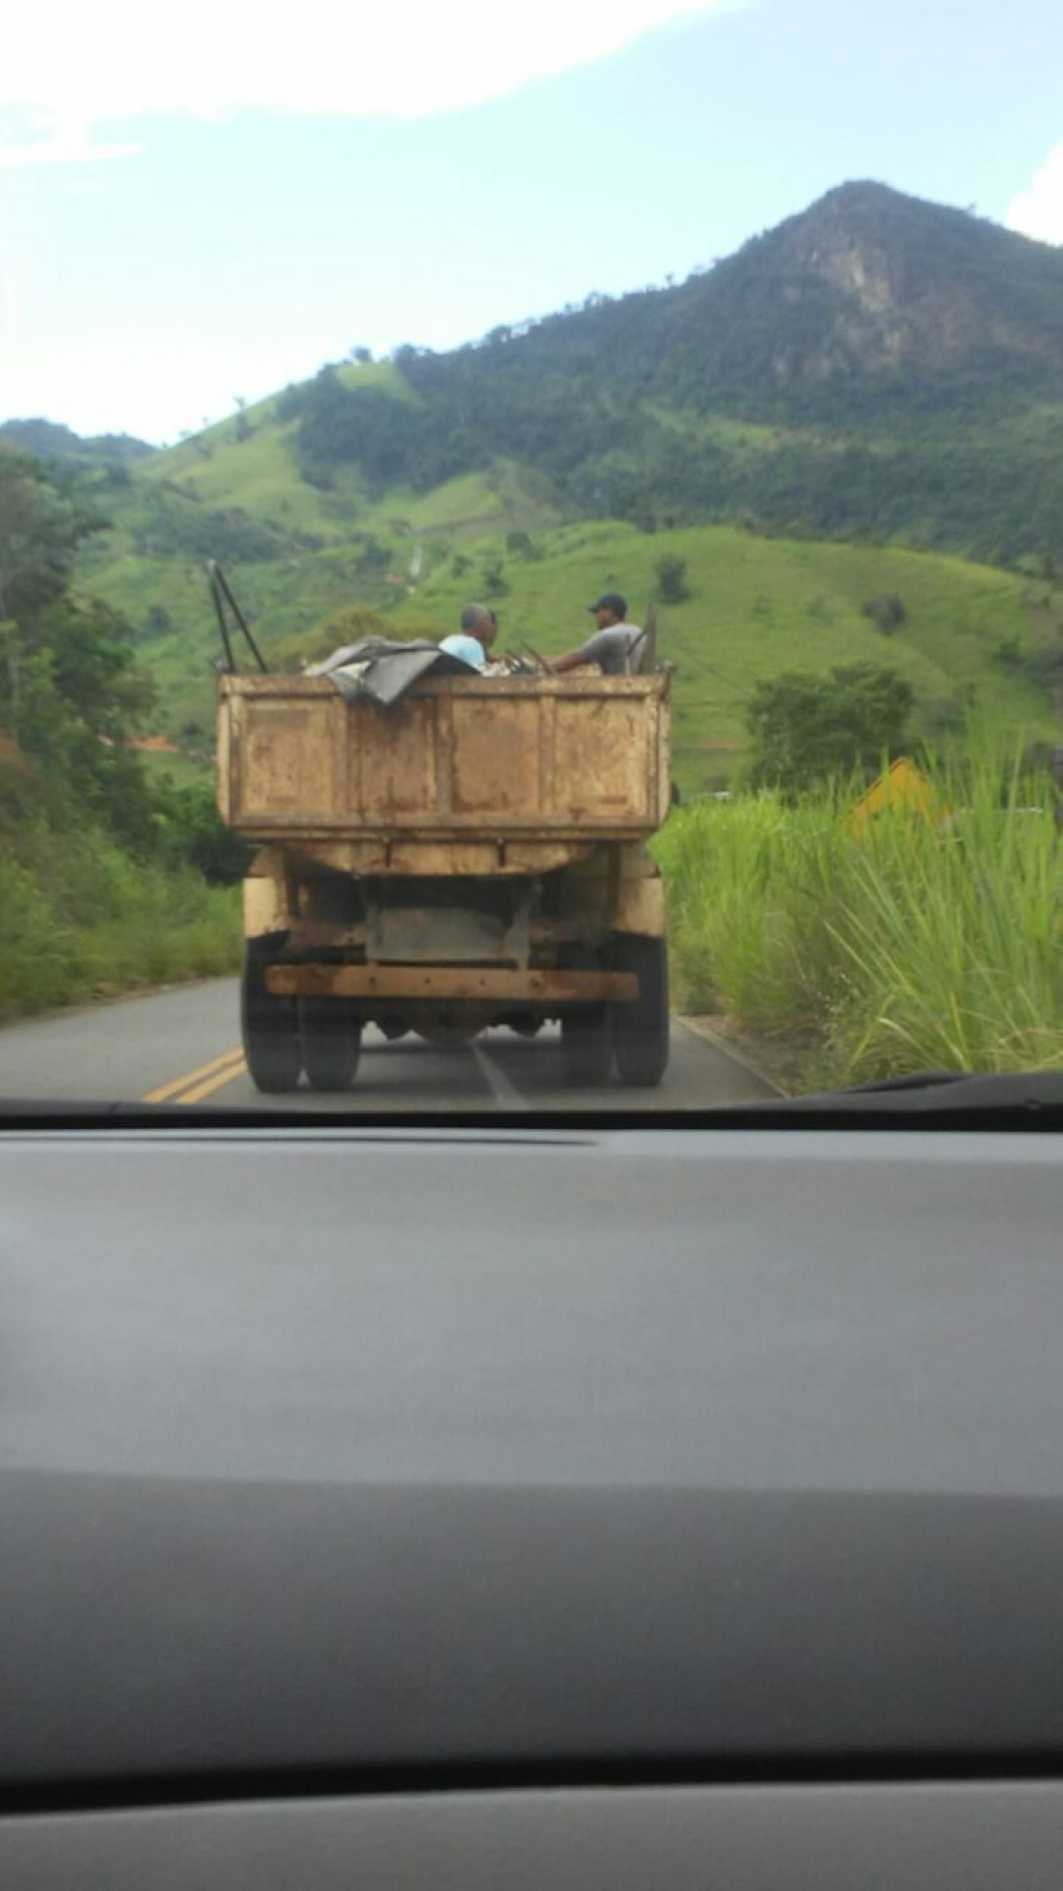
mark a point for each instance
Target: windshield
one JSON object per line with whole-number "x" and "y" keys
{"x": 531, "y": 562}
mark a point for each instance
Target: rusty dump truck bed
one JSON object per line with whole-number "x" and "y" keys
{"x": 526, "y": 757}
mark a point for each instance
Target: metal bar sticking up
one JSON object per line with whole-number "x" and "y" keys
{"x": 222, "y": 595}
{"x": 648, "y": 652}
{"x": 223, "y": 627}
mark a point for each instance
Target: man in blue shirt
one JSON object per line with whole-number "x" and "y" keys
{"x": 478, "y": 632}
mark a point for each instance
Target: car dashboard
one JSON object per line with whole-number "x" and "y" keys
{"x": 600, "y": 1505}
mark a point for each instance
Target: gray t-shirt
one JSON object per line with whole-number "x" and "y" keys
{"x": 616, "y": 650}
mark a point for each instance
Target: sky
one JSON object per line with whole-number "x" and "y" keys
{"x": 217, "y": 208}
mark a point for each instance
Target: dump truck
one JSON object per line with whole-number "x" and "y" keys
{"x": 472, "y": 855}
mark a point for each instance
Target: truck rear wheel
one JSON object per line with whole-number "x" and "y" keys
{"x": 269, "y": 1025}
{"x": 587, "y": 1047}
{"x": 640, "y": 1029}
{"x": 331, "y": 1034}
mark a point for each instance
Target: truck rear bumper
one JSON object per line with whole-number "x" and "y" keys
{"x": 450, "y": 982}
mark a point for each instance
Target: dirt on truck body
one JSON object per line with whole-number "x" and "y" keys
{"x": 473, "y": 855}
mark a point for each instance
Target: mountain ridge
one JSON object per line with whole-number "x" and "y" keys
{"x": 916, "y": 350}
{"x": 861, "y": 255}
{"x": 878, "y": 370}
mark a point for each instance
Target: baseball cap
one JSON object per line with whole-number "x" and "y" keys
{"x": 610, "y": 601}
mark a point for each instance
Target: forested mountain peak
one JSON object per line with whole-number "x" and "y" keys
{"x": 868, "y": 300}
{"x": 895, "y": 367}
{"x": 904, "y": 288}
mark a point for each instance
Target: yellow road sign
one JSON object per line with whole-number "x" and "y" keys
{"x": 904, "y": 785}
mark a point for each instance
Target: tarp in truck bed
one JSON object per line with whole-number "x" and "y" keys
{"x": 383, "y": 671}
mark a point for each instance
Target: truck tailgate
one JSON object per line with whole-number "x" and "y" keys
{"x": 533, "y": 757}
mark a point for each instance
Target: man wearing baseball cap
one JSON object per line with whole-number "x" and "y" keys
{"x": 616, "y": 646}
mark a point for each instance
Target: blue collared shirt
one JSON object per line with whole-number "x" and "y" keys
{"x": 469, "y": 649}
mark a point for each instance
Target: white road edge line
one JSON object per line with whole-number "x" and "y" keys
{"x": 497, "y": 1081}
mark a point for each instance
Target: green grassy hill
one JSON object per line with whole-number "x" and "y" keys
{"x": 294, "y": 552}
{"x": 756, "y": 606}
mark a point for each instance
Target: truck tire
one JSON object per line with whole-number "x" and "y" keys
{"x": 640, "y": 1029}
{"x": 269, "y": 1025}
{"x": 587, "y": 1047}
{"x": 331, "y": 1035}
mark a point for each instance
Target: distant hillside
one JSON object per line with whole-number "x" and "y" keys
{"x": 50, "y": 441}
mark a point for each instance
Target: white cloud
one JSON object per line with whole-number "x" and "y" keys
{"x": 115, "y": 61}
{"x": 1038, "y": 210}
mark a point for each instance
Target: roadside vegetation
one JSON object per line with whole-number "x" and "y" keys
{"x": 83, "y": 920}
{"x": 109, "y": 878}
{"x": 930, "y": 941}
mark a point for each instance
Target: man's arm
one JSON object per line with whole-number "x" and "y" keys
{"x": 575, "y": 659}
{"x": 572, "y": 660}
{"x": 617, "y": 649}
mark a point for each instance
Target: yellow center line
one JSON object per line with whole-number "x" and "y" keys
{"x": 214, "y": 1083}
{"x": 168, "y": 1091}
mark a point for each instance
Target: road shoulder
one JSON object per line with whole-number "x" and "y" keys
{"x": 771, "y": 1065}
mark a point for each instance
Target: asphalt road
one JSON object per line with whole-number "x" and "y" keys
{"x": 183, "y": 1046}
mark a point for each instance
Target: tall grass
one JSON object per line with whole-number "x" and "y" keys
{"x": 83, "y": 920}
{"x": 924, "y": 944}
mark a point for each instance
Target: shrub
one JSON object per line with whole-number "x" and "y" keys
{"x": 672, "y": 580}
{"x": 886, "y": 612}
{"x": 806, "y": 728}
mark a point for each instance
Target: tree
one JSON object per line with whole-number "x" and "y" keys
{"x": 806, "y": 728}
{"x": 242, "y": 426}
{"x": 194, "y": 834}
{"x": 672, "y": 580}
{"x": 70, "y": 690}
{"x": 41, "y": 527}
{"x": 886, "y": 611}
{"x": 494, "y": 582}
